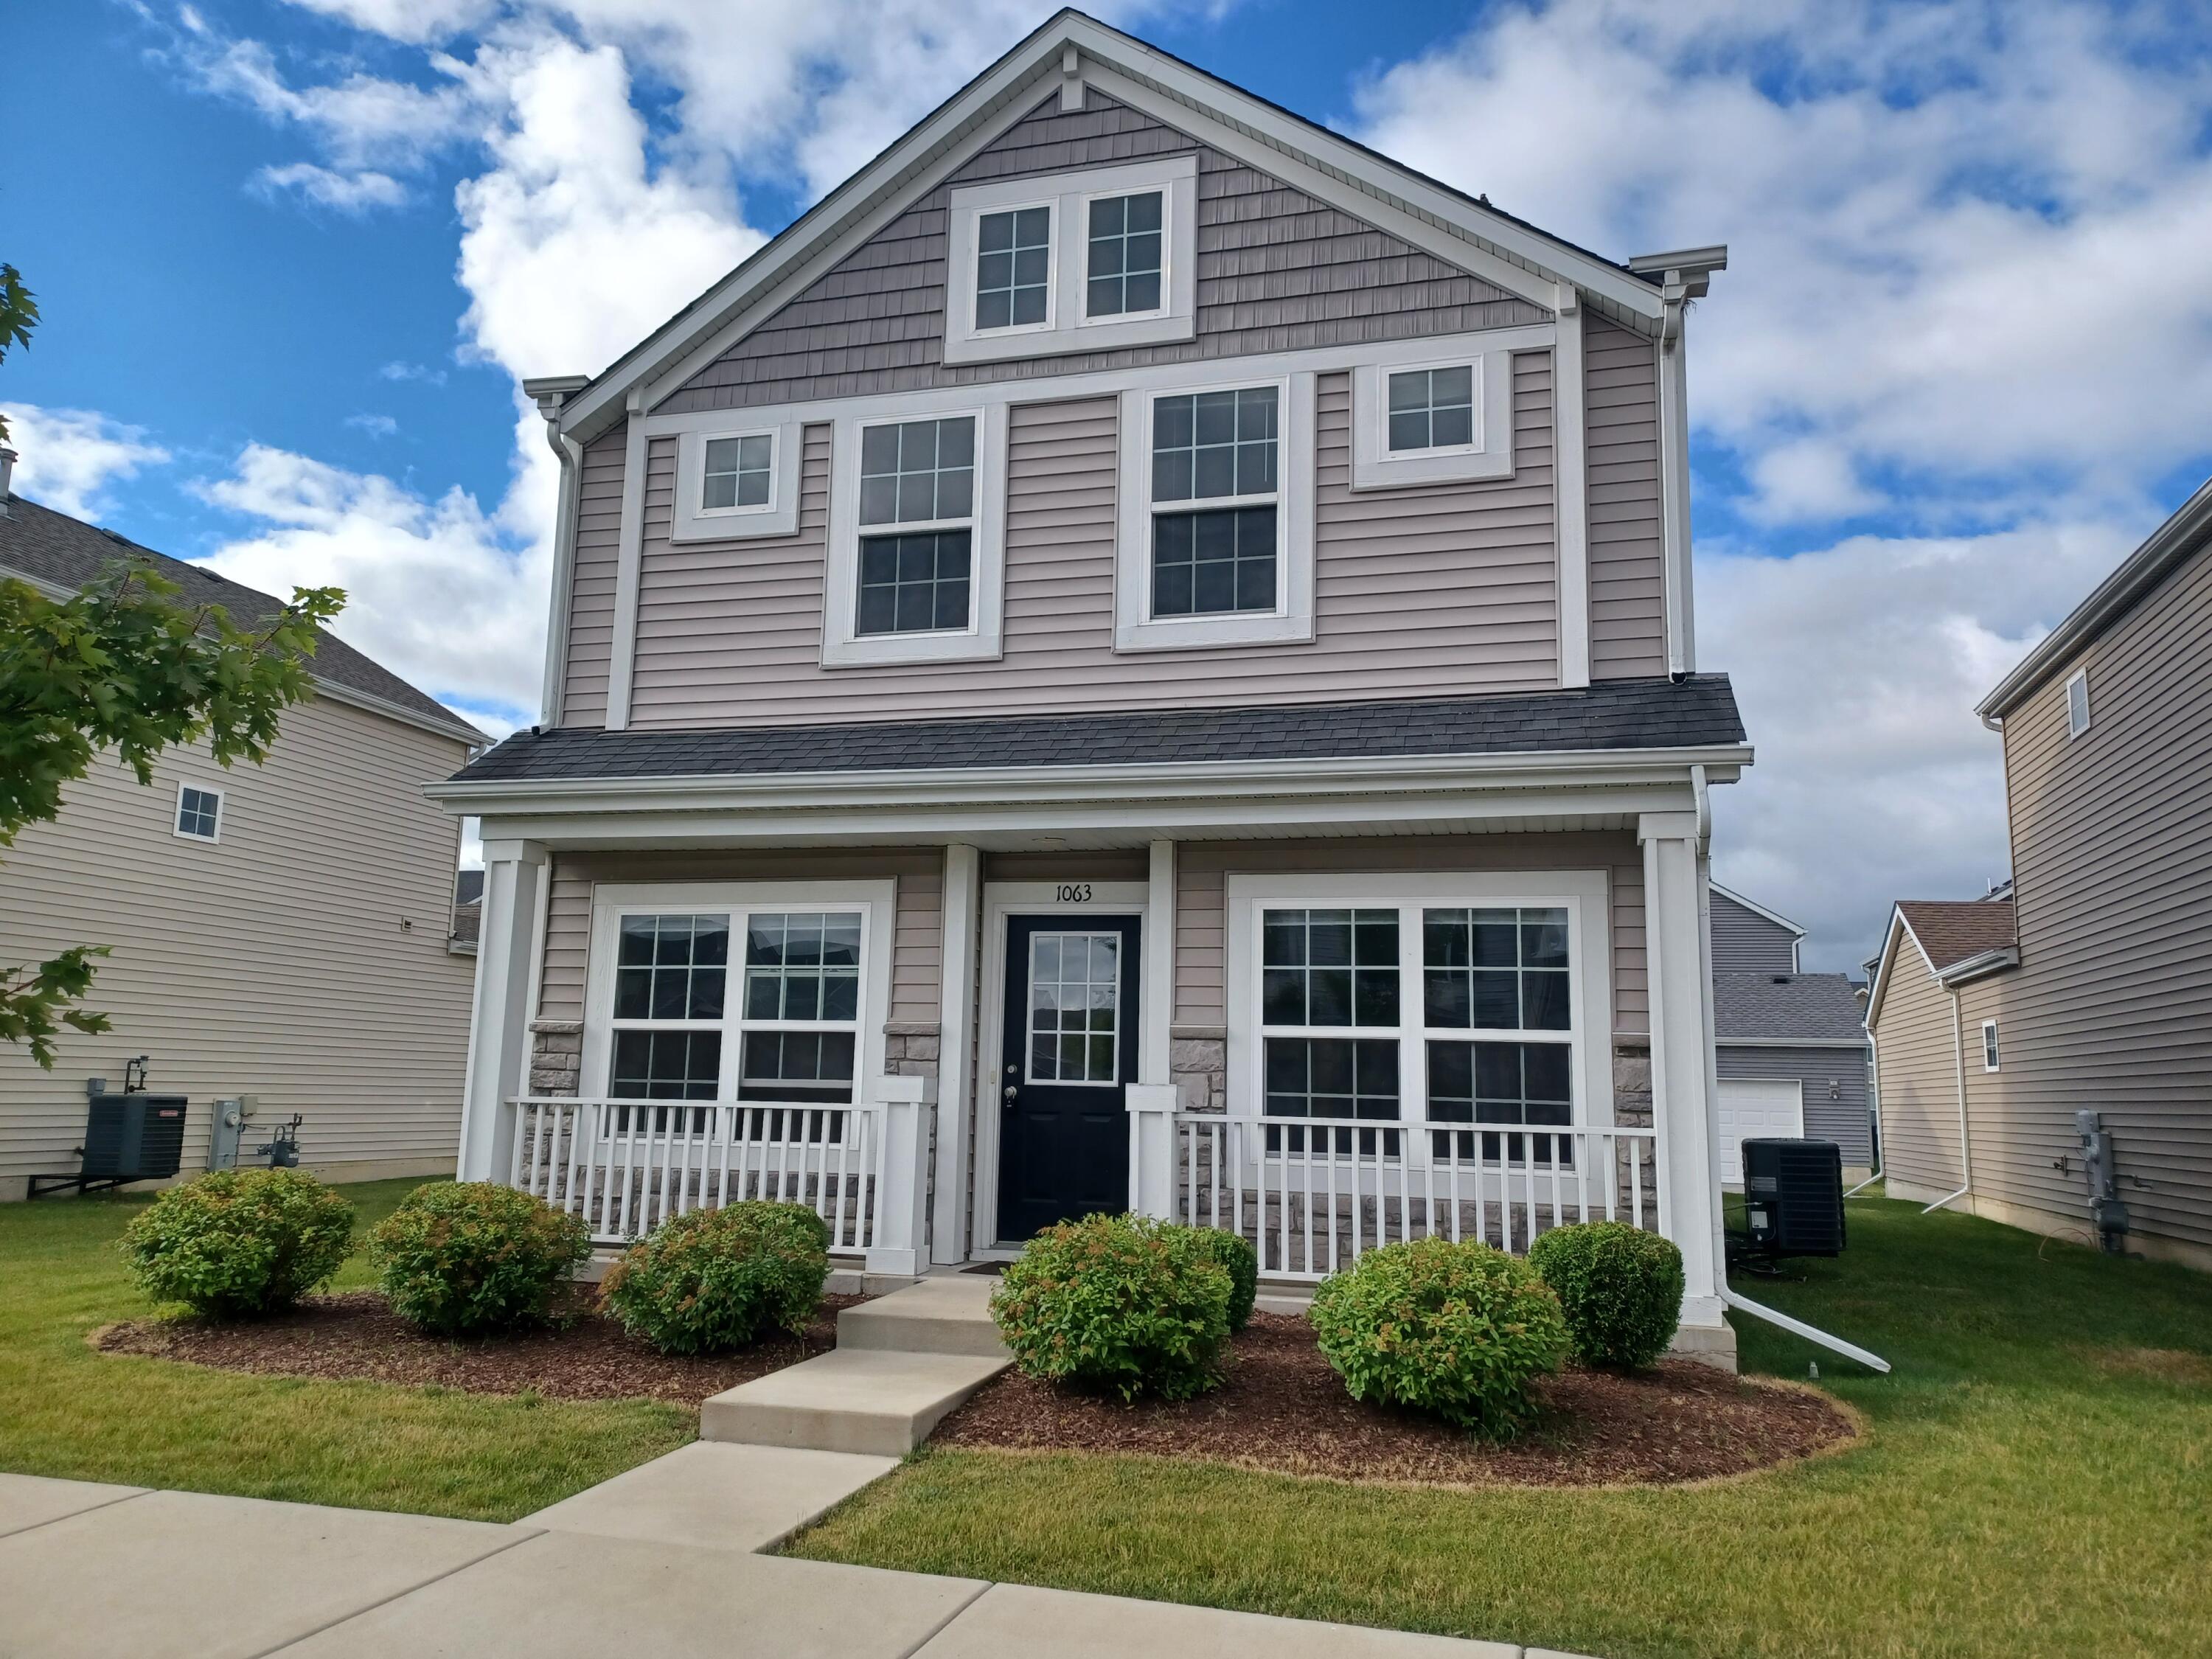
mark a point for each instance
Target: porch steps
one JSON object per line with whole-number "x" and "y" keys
{"x": 875, "y": 1401}
{"x": 950, "y": 1313}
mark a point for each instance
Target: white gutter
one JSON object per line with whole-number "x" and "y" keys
{"x": 1799, "y": 1328}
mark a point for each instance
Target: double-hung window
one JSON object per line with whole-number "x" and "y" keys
{"x": 758, "y": 1002}
{"x": 917, "y": 526}
{"x": 1354, "y": 1004}
{"x": 1216, "y": 516}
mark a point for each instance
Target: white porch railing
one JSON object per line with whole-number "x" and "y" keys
{"x": 1311, "y": 1194}
{"x": 627, "y": 1165}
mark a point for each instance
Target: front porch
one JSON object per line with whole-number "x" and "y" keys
{"x": 1328, "y": 1004}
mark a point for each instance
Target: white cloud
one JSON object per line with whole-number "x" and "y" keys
{"x": 418, "y": 21}
{"x": 1966, "y": 294}
{"x": 67, "y": 457}
{"x": 348, "y": 192}
{"x": 406, "y": 371}
{"x": 377, "y": 426}
{"x": 448, "y": 597}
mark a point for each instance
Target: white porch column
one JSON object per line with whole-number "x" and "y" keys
{"x": 1682, "y": 1056}
{"x": 903, "y": 1175}
{"x": 956, "y": 1047}
{"x": 1156, "y": 1016}
{"x": 499, "y": 1028}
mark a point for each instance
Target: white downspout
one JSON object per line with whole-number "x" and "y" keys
{"x": 1881, "y": 1129}
{"x": 571, "y": 454}
{"x": 1958, "y": 1062}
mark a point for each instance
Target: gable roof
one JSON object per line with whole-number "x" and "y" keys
{"x": 1072, "y": 47}
{"x": 67, "y": 554}
{"x": 1619, "y": 715}
{"x": 1950, "y": 931}
{"x": 2189, "y": 531}
{"x": 1773, "y": 1007}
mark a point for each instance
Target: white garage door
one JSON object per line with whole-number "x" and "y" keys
{"x": 1756, "y": 1111}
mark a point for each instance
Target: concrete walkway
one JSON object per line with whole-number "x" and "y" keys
{"x": 89, "y": 1571}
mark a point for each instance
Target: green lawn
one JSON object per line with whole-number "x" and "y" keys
{"x": 65, "y": 1410}
{"x": 2038, "y": 1481}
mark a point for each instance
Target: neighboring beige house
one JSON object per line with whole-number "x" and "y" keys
{"x": 1789, "y": 1051}
{"x": 1139, "y": 654}
{"x": 2086, "y": 984}
{"x": 279, "y": 932}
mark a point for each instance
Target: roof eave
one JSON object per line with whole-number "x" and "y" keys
{"x": 1980, "y": 965}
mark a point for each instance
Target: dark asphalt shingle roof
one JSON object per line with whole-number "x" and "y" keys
{"x": 1622, "y": 715}
{"x": 1951, "y": 930}
{"x": 1812, "y": 1007}
{"x": 36, "y": 541}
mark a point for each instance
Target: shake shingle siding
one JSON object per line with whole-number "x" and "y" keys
{"x": 1277, "y": 270}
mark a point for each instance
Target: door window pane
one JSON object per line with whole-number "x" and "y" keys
{"x": 1329, "y": 968}
{"x": 1432, "y": 409}
{"x": 671, "y": 967}
{"x": 1124, "y": 263}
{"x": 736, "y": 473}
{"x": 1075, "y": 1001}
{"x": 1013, "y": 267}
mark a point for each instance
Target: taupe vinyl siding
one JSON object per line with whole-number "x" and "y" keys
{"x": 1439, "y": 591}
{"x": 1841, "y": 1117}
{"x": 2112, "y": 844}
{"x": 300, "y": 958}
{"x": 1277, "y": 270}
{"x": 1916, "y": 1077}
{"x": 1627, "y": 559}
{"x": 1202, "y": 870}
{"x": 1744, "y": 942}
{"x": 592, "y": 604}
{"x": 917, "y": 945}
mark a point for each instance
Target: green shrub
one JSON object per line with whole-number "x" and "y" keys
{"x": 1120, "y": 1303}
{"x": 1458, "y": 1330}
{"x": 1241, "y": 1263}
{"x": 1619, "y": 1286}
{"x": 240, "y": 1243}
{"x": 471, "y": 1258}
{"x": 712, "y": 1279}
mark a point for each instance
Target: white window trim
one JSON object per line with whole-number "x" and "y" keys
{"x": 1292, "y": 620}
{"x": 2080, "y": 676}
{"x": 177, "y": 812}
{"x": 1992, "y": 1053}
{"x": 1066, "y": 327}
{"x": 1374, "y": 466}
{"x": 876, "y": 901}
{"x": 691, "y": 522}
{"x": 981, "y": 640}
{"x": 1582, "y": 893}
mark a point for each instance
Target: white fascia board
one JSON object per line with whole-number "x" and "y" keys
{"x": 1893, "y": 938}
{"x": 1758, "y": 909}
{"x": 1520, "y": 260}
{"x": 1719, "y": 1041}
{"x": 1980, "y": 965}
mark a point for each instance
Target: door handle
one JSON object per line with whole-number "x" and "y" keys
{"x": 1011, "y": 1092}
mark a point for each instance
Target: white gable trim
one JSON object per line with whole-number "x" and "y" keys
{"x": 1758, "y": 909}
{"x": 1423, "y": 214}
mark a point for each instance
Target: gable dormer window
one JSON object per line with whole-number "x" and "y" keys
{"x": 1014, "y": 269}
{"x": 1091, "y": 260}
{"x": 1122, "y": 276}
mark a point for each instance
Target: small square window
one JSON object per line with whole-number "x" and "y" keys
{"x": 1432, "y": 409}
{"x": 199, "y": 812}
{"x": 1013, "y": 268}
{"x": 737, "y": 472}
{"x": 1123, "y": 273}
{"x": 2077, "y": 704}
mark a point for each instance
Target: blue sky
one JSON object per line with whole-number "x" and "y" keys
{"x": 296, "y": 255}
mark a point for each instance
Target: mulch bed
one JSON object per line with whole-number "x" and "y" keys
{"x": 354, "y": 1335}
{"x": 1282, "y": 1408}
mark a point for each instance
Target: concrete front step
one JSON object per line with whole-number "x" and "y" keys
{"x": 950, "y": 1313}
{"x": 872, "y": 1401}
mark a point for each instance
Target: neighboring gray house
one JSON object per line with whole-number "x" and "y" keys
{"x": 1140, "y": 654}
{"x": 279, "y": 932}
{"x": 1789, "y": 1047}
{"x": 2087, "y": 985}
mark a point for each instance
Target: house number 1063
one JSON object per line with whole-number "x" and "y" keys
{"x": 1074, "y": 892}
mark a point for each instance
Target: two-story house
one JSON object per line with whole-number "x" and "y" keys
{"x": 1139, "y": 654}
{"x": 2085, "y": 985}
{"x": 279, "y": 935}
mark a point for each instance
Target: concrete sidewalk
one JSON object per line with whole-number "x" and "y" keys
{"x": 94, "y": 1570}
